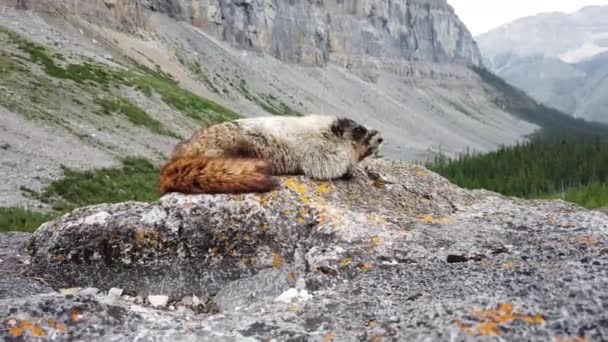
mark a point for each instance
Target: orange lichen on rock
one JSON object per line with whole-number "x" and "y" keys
{"x": 25, "y": 325}
{"x": 490, "y": 319}
{"x": 330, "y": 336}
{"x": 488, "y": 329}
{"x": 38, "y": 332}
{"x": 587, "y": 240}
{"x": 572, "y": 339}
{"x": 75, "y": 315}
{"x": 34, "y": 328}
{"x": 511, "y": 264}
{"x": 15, "y": 331}
{"x": 377, "y": 338}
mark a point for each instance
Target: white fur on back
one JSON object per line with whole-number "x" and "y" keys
{"x": 284, "y": 127}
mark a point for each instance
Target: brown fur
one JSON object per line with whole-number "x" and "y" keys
{"x": 197, "y": 174}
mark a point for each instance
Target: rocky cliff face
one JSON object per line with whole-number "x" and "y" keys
{"x": 306, "y": 32}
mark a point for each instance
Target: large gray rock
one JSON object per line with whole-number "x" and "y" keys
{"x": 396, "y": 253}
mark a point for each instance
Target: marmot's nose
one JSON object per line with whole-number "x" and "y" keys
{"x": 380, "y": 140}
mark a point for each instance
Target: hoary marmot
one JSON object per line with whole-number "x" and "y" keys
{"x": 241, "y": 156}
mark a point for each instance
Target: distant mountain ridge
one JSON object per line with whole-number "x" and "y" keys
{"x": 559, "y": 59}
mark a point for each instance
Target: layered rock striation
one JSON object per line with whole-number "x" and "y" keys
{"x": 304, "y": 32}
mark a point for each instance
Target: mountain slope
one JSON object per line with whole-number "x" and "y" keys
{"x": 85, "y": 83}
{"x": 559, "y": 59}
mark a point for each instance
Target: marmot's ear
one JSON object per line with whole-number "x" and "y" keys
{"x": 339, "y": 126}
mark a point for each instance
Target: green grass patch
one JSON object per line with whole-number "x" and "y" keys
{"x": 192, "y": 105}
{"x": 17, "y": 219}
{"x": 108, "y": 79}
{"x": 592, "y": 196}
{"x": 135, "y": 180}
{"x": 134, "y": 114}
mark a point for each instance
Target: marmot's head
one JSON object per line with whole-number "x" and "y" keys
{"x": 365, "y": 141}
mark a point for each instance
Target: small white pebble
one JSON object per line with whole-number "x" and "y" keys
{"x": 70, "y": 291}
{"x": 91, "y": 291}
{"x": 115, "y": 293}
{"x": 300, "y": 284}
{"x": 158, "y": 301}
{"x": 287, "y": 296}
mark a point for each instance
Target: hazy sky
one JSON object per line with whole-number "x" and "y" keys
{"x": 483, "y": 15}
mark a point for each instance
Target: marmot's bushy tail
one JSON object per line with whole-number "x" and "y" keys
{"x": 216, "y": 175}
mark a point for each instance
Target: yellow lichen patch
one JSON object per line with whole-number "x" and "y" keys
{"x": 15, "y": 331}
{"x": 294, "y": 308}
{"x": 376, "y": 240}
{"x": 330, "y": 336}
{"x": 420, "y": 173}
{"x": 291, "y": 276}
{"x": 377, "y": 219}
{"x": 323, "y": 188}
{"x": 371, "y": 324}
{"x": 428, "y": 219}
{"x": 38, "y": 332}
{"x": 345, "y": 261}
{"x": 298, "y": 187}
{"x": 277, "y": 261}
{"x": 365, "y": 267}
{"x": 265, "y": 198}
{"x": 140, "y": 235}
{"x": 431, "y": 219}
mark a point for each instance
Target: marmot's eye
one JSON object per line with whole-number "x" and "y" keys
{"x": 360, "y": 130}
